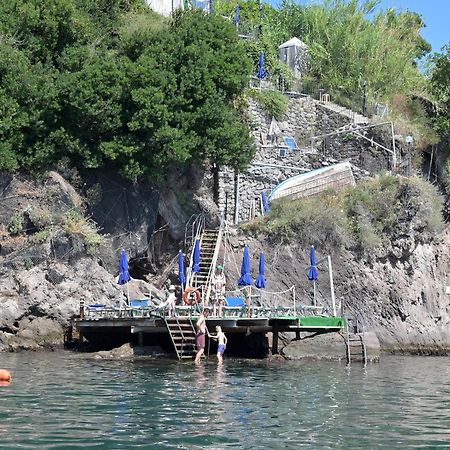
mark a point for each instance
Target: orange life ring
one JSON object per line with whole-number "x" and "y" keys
{"x": 5, "y": 376}
{"x": 188, "y": 298}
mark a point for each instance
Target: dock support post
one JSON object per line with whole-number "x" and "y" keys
{"x": 275, "y": 341}
{"x": 333, "y": 299}
{"x": 140, "y": 339}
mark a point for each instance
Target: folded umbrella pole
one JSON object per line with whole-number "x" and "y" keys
{"x": 313, "y": 273}
{"x": 181, "y": 274}
{"x": 124, "y": 274}
{"x": 261, "y": 279}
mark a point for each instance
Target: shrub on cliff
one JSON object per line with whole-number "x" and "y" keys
{"x": 114, "y": 84}
{"x": 274, "y": 103}
{"x": 363, "y": 217}
{"x": 318, "y": 221}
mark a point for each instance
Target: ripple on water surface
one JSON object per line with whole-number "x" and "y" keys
{"x": 64, "y": 400}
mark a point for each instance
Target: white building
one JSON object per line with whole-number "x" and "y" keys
{"x": 295, "y": 54}
{"x": 165, "y": 7}
{"x": 168, "y": 7}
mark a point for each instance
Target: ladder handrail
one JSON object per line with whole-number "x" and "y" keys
{"x": 188, "y": 228}
{"x": 179, "y": 331}
{"x": 208, "y": 283}
{"x": 360, "y": 321}
{"x": 361, "y": 331}
{"x": 172, "y": 339}
{"x": 197, "y": 228}
{"x": 347, "y": 342}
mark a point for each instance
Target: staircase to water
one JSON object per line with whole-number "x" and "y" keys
{"x": 208, "y": 244}
{"x": 356, "y": 348}
{"x": 356, "y": 341}
{"x": 182, "y": 334}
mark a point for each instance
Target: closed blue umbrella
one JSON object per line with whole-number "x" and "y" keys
{"x": 246, "y": 279}
{"x": 211, "y": 6}
{"x": 124, "y": 274}
{"x": 181, "y": 275}
{"x": 313, "y": 273}
{"x": 261, "y": 280}
{"x": 265, "y": 202}
{"x": 237, "y": 15}
{"x": 196, "y": 261}
{"x": 262, "y": 67}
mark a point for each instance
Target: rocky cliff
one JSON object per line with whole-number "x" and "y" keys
{"x": 398, "y": 282}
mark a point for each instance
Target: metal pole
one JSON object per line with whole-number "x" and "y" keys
{"x": 394, "y": 154}
{"x": 236, "y": 198}
{"x": 293, "y": 294}
{"x": 364, "y": 99}
{"x": 314, "y": 298}
{"x": 333, "y": 299}
{"x": 431, "y": 162}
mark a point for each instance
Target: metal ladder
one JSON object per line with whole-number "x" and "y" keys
{"x": 182, "y": 333}
{"x": 210, "y": 245}
{"x": 356, "y": 342}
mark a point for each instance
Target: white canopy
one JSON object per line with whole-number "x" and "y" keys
{"x": 294, "y": 42}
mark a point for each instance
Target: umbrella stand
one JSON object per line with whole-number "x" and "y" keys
{"x": 293, "y": 294}
{"x": 314, "y": 297}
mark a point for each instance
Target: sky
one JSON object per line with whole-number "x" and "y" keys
{"x": 435, "y": 14}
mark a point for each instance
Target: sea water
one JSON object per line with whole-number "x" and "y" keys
{"x": 65, "y": 400}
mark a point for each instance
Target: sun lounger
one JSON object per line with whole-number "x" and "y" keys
{"x": 234, "y": 306}
{"x": 141, "y": 307}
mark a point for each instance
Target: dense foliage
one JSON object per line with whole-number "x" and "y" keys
{"x": 440, "y": 82}
{"x": 350, "y": 43}
{"x": 112, "y": 83}
{"x": 274, "y": 103}
{"x": 361, "y": 218}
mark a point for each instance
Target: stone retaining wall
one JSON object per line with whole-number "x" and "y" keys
{"x": 304, "y": 119}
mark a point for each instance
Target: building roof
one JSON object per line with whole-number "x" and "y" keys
{"x": 294, "y": 42}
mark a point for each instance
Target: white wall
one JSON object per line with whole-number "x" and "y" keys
{"x": 165, "y": 7}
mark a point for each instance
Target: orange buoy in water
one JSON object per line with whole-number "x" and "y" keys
{"x": 5, "y": 376}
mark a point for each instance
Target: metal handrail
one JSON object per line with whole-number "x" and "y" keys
{"x": 347, "y": 342}
{"x": 360, "y": 322}
{"x": 208, "y": 283}
{"x": 188, "y": 229}
{"x": 196, "y": 231}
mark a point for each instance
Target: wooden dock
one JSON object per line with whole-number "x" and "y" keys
{"x": 114, "y": 326}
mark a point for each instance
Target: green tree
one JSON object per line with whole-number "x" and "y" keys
{"x": 111, "y": 83}
{"x": 440, "y": 82}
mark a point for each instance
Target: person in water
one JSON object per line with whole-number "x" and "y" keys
{"x": 200, "y": 337}
{"x": 222, "y": 341}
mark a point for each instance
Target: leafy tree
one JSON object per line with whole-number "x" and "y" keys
{"x": 440, "y": 82}
{"x": 111, "y": 83}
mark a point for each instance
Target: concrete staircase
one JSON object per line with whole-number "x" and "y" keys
{"x": 346, "y": 112}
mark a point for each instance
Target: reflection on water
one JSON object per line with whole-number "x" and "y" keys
{"x": 63, "y": 400}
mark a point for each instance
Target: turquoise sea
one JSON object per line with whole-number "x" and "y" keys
{"x": 65, "y": 400}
